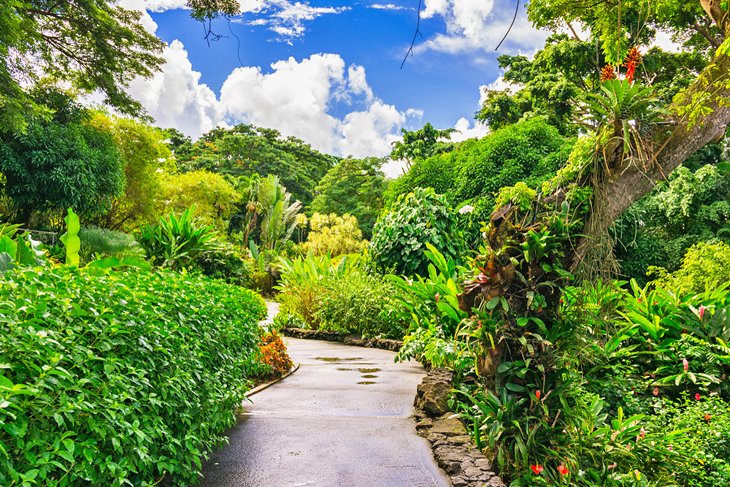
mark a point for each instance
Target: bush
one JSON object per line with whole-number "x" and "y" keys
{"x": 176, "y": 242}
{"x": 705, "y": 266}
{"x": 126, "y": 378}
{"x": 334, "y": 235}
{"x": 225, "y": 262}
{"x": 400, "y": 236}
{"x": 325, "y": 294}
{"x": 274, "y": 355}
{"x": 100, "y": 242}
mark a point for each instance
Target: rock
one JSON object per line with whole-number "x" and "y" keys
{"x": 449, "y": 426}
{"x": 473, "y": 472}
{"x": 483, "y": 464}
{"x": 433, "y": 393}
{"x": 459, "y": 482}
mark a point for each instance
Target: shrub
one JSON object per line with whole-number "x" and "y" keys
{"x": 274, "y": 355}
{"x": 100, "y": 242}
{"x": 334, "y": 235}
{"x": 400, "y": 236}
{"x": 125, "y": 378}
{"x": 176, "y": 242}
{"x": 224, "y": 261}
{"x": 705, "y": 266}
{"x": 326, "y": 294}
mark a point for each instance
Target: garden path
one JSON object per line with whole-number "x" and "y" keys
{"x": 343, "y": 419}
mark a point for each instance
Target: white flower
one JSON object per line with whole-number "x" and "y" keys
{"x": 466, "y": 209}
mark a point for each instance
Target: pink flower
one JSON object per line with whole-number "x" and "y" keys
{"x": 697, "y": 396}
{"x": 702, "y": 311}
{"x": 655, "y": 391}
{"x": 685, "y": 364}
{"x": 642, "y": 433}
{"x": 437, "y": 297}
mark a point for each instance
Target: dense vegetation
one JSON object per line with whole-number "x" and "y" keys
{"x": 571, "y": 267}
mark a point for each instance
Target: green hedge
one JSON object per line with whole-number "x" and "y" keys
{"x": 120, "y": 379}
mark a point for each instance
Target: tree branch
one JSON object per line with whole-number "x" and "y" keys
{"x": 409, "y": 52}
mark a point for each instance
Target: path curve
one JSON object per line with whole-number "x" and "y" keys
{"x": 343, "y": 419}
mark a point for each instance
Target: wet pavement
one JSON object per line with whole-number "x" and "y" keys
{"x": 343, "y": 419}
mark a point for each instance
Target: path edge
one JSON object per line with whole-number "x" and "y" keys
{"x": 266, "y": 385}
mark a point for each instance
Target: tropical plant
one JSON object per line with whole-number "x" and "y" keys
{"x": 705, "y": 266}
{"x": 20, "y": 250}
{"x": 277, "y": 213}
{"x": 70, "y": 239}
{"x": 176, "y": 242}
{"x": 101, "y": 242}
{"x": 400, "y": 236}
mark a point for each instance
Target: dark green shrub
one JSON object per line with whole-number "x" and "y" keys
{"x": 126, "y": 378}
{"x": 225, "y": 262}
{"x": 400, "y": 236}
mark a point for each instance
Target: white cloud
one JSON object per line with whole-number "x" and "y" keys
{"x": 664, "y": 41}
{"x": 467, "y": 130}
{"x": 140, "y": 5}
{"x": 473, "y": 25}
{"x": 163, "y": 5}
{"x": 295, "y": 97}
{"x": 285, "y": 18}
{"x": 387, "y": 6}
{"x": 175, "y": 98}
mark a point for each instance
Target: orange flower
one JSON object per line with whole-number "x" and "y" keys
{"x": 562, "y": 470}
{"x": 633, "y": 59}
{"x": 537, "y": 469}
{"x": 537, "y": 394}
{"x": 608, "y": 73}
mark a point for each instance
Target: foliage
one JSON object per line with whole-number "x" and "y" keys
{"x": 61, "y": 163}
{"x": 691, "y": 207}
{"x": 99, "y": 243}
{"x": 245, "y": 150}
{"x": 224, "y": 261}
{"x": 213, "y": 198}
{"x": 144, "y": 154}
{"x": 70, "y": 239}
{"x": 421, "y": 144}
{"x": 93, "y": 44}
{"x": 125, "y": 378}
{"x": 334, "y": 235}
{"x": 18, "y": 250}
{"x": 274, "y": 355}
{"x": 705, "y": 266}
{"x": 416, "y": 219}
{"x": 354, "y": 187}
{"x": 326, "y": 294}
{"x": 176, "y": 242}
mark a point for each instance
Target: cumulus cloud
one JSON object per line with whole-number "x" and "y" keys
{"x": 294, "y": 97}
{"x": 163, "y": 5}
{"x": 473, "y": 25}
{"x": 468, "y": 130}
{"x": 285, "y": 18}
{"x": 174, "y": 97}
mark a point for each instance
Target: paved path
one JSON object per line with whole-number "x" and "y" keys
{"x": 342, "y": 420}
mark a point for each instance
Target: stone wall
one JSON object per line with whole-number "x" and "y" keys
{"x": 451, "y": 444}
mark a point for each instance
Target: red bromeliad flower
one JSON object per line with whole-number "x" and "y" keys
{"x": 608, "y": 73}
{"x": 633, "y": 58}
{"x": 562, "y": 470}
{"x": 537, "y": 469}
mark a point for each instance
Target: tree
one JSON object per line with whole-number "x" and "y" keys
{"x": 93, "y": 44}
{"x": 420, "y": 144}
{"x": 354, "y": 187}
{"x": 245, "y": 150}
{"x": 144, "y": 155}
{"x": 63, "y": 163}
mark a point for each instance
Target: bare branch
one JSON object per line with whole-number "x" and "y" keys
{"x": 415, "y": 35}
{"x": 517, "y": 9}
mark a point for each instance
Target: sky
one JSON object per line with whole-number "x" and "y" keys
{"x": 329, "y": 72}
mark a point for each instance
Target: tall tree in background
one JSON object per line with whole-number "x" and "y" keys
{"x": 420, "y": 144}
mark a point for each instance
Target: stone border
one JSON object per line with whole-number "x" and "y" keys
{"x": 451, "y": 444}
{"x": 352, "y": 340}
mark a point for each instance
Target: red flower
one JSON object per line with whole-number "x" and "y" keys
{"x": 655, "y": 391}
{"x": 685, "y": 364}
{"x": 537, "y": 394}
{"x": 702, "y": 312}
{"x": 482, "y": 278}
{"x": 437, "y": 297}
{"x": 537, "y": 469}
{"x": 633, "y": 58}
{"x": 562, "y": 470}
{"x": 638, "y": 300}
{"x": 697, "y": 396}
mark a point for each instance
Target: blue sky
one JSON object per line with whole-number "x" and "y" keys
{"x": 330, "y": 72}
